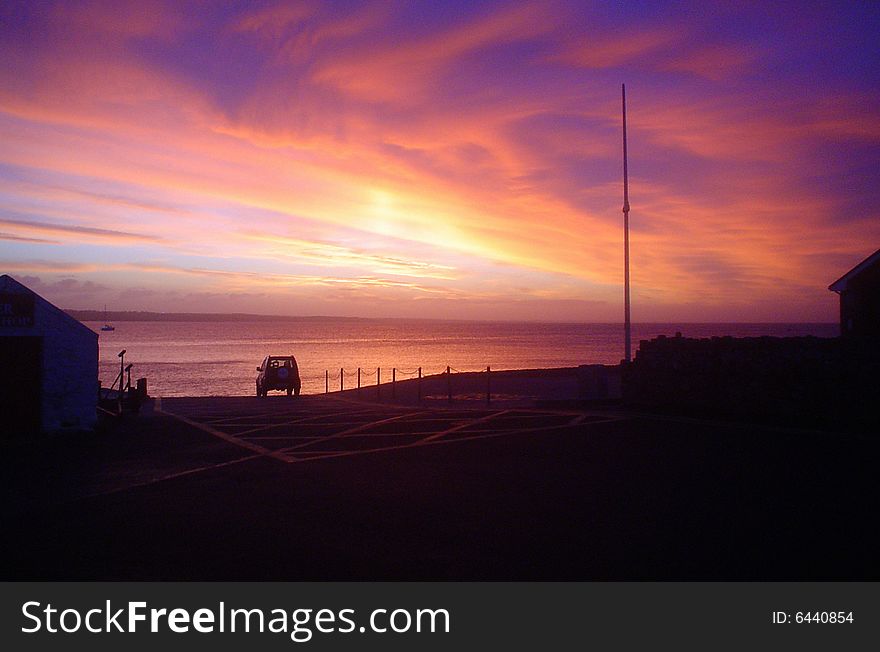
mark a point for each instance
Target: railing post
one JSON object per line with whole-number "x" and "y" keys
{"x": 488, "y": 384}
{"x": 326, "y": 381}
{"x": 121, "y": 378}
{"x": 393, "y": 382}
{"x": 359, "y": 377}
{"x": 342, "y": 379}
{"x": 378, "y": 380}
{"x": 420, "y": 384}
{"x": 449, "y": 382}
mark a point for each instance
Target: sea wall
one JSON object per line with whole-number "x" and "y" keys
{"x": 828, "y": 383}
{"x": 500, "y": 388}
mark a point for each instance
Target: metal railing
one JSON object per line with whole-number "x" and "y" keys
{"x": 415, "y": 374}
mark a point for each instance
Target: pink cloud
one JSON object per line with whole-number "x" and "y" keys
{"x": 405, "y": 72}
{"x": 117, "y": 19}
{"x": 273, "y": 21}
{"x": 614, "y": 49}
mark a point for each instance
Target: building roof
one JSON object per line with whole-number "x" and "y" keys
{"x": 9, "y": 284}
{"x": 840, "y": 284}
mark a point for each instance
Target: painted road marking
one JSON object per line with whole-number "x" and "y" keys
{"x": 170, "y": 476}
{"x": 351, "y": 431}
{"x": 295, "y": 427}
{"x": 278, "y": 455}
{"x": 359, "y": 430}
{"x": 310, "y": 456}
{"x": 320, "y": 455}
{"x": 315, "y": 418}
{"x": 462, "y": 426}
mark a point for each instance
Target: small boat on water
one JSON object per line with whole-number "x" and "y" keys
{"x": 107, "y": 326}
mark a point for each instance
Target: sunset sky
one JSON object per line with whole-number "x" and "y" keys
{"x": 439, "y": 159}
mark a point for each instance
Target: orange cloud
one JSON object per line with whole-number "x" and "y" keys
{"x": 404, "y": 72}
{"x": 715, "y": 62}
{"x": 332, "y": 255}
{"x": 272, "y": 21}
{"x": 615, "y": 49}
{"x": 116, "y": 19}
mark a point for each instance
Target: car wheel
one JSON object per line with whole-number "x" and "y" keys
{"x": 289, "y": 391}
{"x": 259, "y": 391}
{"x": 296, "y": 391}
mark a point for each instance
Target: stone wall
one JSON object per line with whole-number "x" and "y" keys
{"x": 827, "y": 383}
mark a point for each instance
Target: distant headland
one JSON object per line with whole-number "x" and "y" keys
{"x": 140, "y": 315}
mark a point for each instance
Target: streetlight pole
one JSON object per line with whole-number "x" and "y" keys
{"x": 626, "y": 308}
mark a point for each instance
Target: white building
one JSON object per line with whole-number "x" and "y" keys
{"x": 48, "y": 365}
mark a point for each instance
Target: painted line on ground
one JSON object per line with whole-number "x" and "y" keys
{"x": 462, "y": 426}
{"x": 256, "y": 448}
{"x": 321, "y": 455}
{"x": 351, "y": 431}
{"x": 170, "y": 476}
{"x": 303, "y": 421}
{"x": 288, "y": 454}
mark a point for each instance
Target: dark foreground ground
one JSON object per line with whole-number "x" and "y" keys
{"x": 322, "y": 488}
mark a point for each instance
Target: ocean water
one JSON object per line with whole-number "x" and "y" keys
{"x": 220, "y": 358}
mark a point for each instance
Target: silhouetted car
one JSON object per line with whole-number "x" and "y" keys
{"x": 278, "y": 372}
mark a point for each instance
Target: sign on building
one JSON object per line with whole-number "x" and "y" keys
{"x": 16, "y": 310}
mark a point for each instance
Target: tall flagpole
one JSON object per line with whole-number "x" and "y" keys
{"x": 626, "y": 320}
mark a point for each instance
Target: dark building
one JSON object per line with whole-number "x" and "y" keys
{"x": 859, "y": 291}
{"x": 48, "y": 365}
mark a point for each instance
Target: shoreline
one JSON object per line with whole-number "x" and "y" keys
{"x": 505, "y": 387}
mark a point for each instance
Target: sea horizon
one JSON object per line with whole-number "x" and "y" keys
{"x": 148, "y": 315}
